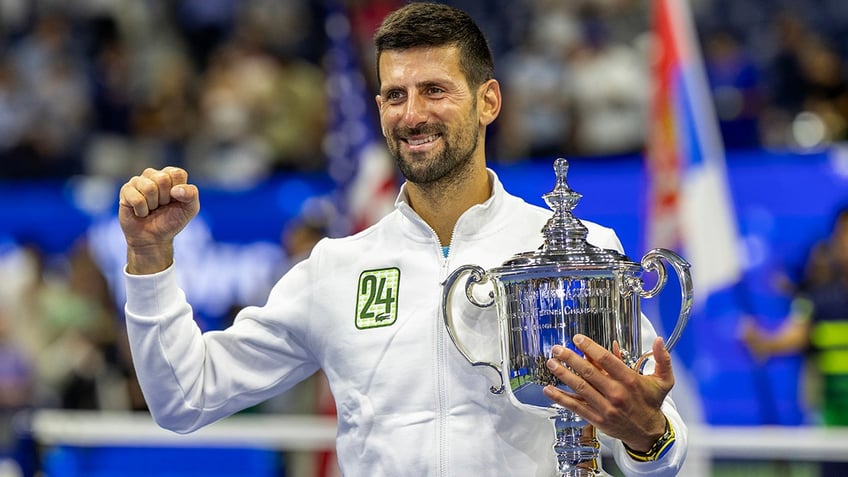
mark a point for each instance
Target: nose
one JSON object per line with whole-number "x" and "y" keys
{"x": 415, "y": 111}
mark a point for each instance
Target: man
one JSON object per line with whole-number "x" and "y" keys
{"x": 817, "y": 325}
{"x": 365, "y": 308}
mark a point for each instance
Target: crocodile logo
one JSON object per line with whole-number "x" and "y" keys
{"x": 383, "y": 317}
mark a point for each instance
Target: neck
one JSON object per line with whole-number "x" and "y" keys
{"x": 441, "y": 204}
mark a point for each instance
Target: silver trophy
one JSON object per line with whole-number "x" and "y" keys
{"x": 545, "y": 297}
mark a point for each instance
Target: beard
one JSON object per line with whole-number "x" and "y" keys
{"x": 429, "y": 168}
{"x": 449, "y": 165}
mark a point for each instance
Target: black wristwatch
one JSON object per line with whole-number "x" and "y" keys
{"x": 658, "y": 449}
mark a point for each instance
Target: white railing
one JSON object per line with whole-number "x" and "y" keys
{"x": 270, "y": 431}
{"x": 314, "y": 433}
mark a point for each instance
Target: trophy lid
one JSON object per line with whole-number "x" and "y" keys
{"x": 565, "y": 248}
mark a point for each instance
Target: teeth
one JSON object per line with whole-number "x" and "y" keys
{"x": 417, "y": 142}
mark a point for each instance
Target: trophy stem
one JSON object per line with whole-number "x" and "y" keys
{"x": 576, "y": 447}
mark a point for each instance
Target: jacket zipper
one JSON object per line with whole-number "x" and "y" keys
{"x": 442, "y": 344}
{"x": 441, "y": 351}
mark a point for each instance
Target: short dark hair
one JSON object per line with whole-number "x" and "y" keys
{"x": 424, "y": 24}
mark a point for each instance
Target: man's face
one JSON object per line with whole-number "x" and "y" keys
{"x": 428, "y": 113}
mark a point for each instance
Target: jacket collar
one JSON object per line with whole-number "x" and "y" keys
{"x": 477, "y": 219}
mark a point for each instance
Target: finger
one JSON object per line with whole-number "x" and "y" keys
{"x": 163, "y": 182}
{"x": 147, "y": 187}
{"x": 601, "y": 357}
{"x": 663, "y": 368}
{"x": 574, "y": 401}
{"x": 176, "y": 175}
{"x": 180, "y": 189}
{"x": 133, "y": 199}
{"x": 577, "y": 373}
{"x": 616, "y": 349}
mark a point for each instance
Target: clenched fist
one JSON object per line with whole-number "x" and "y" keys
{"x": 153, "y": 208}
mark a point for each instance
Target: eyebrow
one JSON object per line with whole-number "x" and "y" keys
{"x": 442, "y": 83}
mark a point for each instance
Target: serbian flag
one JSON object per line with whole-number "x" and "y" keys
{"x": 689, "y": 209}
{"x": 358, "y": 158}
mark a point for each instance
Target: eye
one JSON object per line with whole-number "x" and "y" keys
{"x": 393, "y": 96}
{"x": 434, "y": 91}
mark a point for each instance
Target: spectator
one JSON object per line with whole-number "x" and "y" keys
{"x": 15, "y": 119}
{"x": 735, "y": 84}
{"x": 807, "y": 83}
{"x": 164, "y": 112}
{"x": 827, "y": 94}
{"x": 51, "y": 68}
{"x": 609, "y": 84}
{"x": 17, "y": 379}
{"x": 817, "y": 321}
{"x": 538, "y": 114}
{"x": 817, "y": 326}
{"x": 206, "y": 25}
{"x": 225, "y": 149}
{"x": 786, "y": 82}
{"x": 66, "y": 321}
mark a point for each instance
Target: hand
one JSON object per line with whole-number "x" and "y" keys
{"x": 153, "y": 208}
{"x": 753, "y": 338}
{"x": 610, "y": 395}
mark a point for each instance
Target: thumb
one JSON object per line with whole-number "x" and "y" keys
{"x": 663, "y": 368}
{"x": 184, "y": 193}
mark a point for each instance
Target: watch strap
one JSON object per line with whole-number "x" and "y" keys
{"x": 658, "y": 449}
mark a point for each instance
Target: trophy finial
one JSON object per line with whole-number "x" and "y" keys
{"x": 563, "y": 230}
{"x": 560, "y": 168}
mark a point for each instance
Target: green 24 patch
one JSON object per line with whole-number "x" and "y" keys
{"x": 377, "y": 298}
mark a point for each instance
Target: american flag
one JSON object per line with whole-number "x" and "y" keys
{"x": 359, "y": 161}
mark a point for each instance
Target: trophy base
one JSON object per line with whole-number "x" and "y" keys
{"x": 577, "y": 448}
{"x": 584, "y": 473}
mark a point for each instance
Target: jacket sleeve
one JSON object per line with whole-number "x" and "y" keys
{"x": 189, "y": 378}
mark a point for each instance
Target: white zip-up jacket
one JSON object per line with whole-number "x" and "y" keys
{"x": 366, "y": 309}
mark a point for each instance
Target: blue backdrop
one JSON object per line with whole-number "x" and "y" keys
{"x": 784, "y": 201}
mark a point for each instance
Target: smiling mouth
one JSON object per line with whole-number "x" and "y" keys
{"x": 420, "y": 141}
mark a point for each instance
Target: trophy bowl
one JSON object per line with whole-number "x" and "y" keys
{"x": 545, "y": 297}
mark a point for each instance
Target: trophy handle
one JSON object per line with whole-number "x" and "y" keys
{"x": 651, "y": 262}
{"x": 477, "y": 276}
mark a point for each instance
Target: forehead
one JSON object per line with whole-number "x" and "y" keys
{"x": 416, "y": 65}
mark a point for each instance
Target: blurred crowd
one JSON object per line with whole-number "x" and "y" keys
{"x": 61, "y": 342}
{"x": 234, "y": 89}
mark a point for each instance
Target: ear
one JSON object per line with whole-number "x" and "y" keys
{"x": 490, "y": 101}
{"x": 379, "y": 100}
